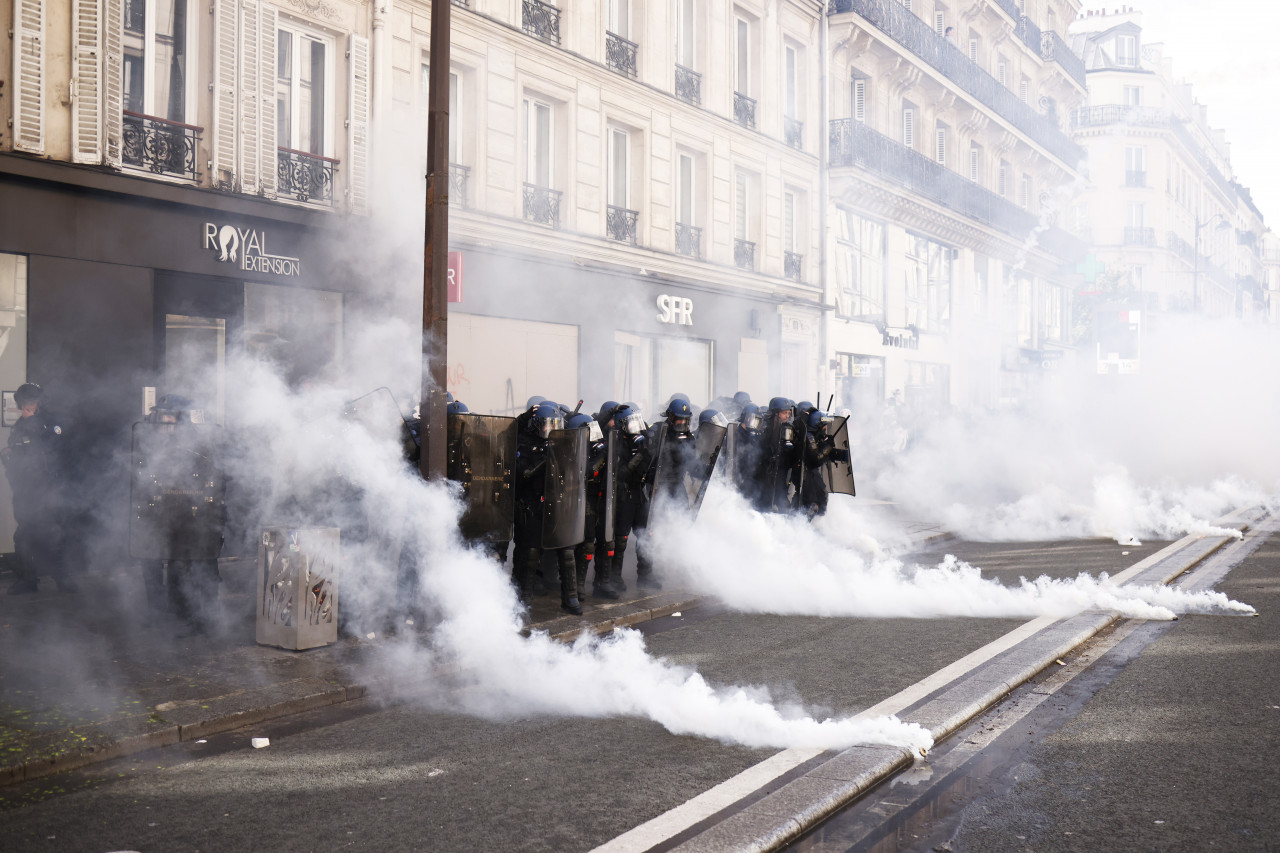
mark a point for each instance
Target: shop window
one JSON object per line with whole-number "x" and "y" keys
{"x": 297, "y": 330}
{"x": 930, "y": 270}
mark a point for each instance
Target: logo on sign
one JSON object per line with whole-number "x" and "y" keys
{"x": 676, "y": 310}
{"x": 247, "y": 249}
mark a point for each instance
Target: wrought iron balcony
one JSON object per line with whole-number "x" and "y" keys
{"x": 689, "y": 241}
{"x": 1029, "y": 33}
{"x": 541, "y": 21}
{"x": 620, "y": 54}
{"x": 744, "y": 254}
{"x": 305, "y": 177}
{"x": 908, "y": 30}
{"x": 856, "y": 145}
{"x": 794, "y": 132}
{"x": 1055, "y": 49}
{"x": 793, "y": 265}
{"x": 1108, "y": 114}
{"x": 1139, "y": 236}
{"x": 160, "y": 146}
{"x": 1134, "y": 178}
{"x": 1180, "y": 247}
{"x": 621, "y": 224}
{"x": 744, "y": 110}
{"x": 542, "y": 205}
{"x": 688, "y": 85}
{"x": 459, "y": 176}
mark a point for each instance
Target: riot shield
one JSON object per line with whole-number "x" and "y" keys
{"x": 609, "y": 484}
{"x": 481, "y": 455}
{"x": 776, "y": 468}
{"x": 710, "y": 441}
{"x": 564, "y": 511}
{"x": 839, "y": 475}
{"x": 178, "y": 492}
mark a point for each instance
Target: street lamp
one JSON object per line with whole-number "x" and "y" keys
{"x": 1195, "y": 252}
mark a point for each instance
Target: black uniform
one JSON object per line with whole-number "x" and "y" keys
{"x": 32, "y": 464}
{"x": 632, "y": 505}
{"x": 819, "y": 449}
{"x": 530, "y": 495}
{"x": 594, "y": 542}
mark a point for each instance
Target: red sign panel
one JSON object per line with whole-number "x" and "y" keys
{"x": 455, "y": 277}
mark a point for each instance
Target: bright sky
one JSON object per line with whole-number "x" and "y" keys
{"x": 1227, "y": 50}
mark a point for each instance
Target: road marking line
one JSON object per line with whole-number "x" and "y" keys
{"x": 671, "y": 823}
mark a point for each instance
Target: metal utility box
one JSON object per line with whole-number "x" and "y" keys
{"x": 298, "y": 586}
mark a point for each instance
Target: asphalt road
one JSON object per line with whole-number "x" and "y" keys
{"x": 366, "y": 777}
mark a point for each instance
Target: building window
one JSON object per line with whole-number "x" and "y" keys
{"x": 622, "y": 220}
{"x": 1002, "y": 71}
{"x": 974, "y": 45}
{"x": 1024, "y": 196}
{"x": 620, "y": 18}
{"x": 155, "y": 58}
{"x": 858, "y": 106}
{"x": 455, "y": 116}
{"x": 792, "y": 231}
{"x": 1133, "y": 96}
{"x": 1002, "y": 187}
{"x": 940, "y": 145}
{"x": 940, "y": 23}
{"x": 685, "y": 34}
{"x": 743, "y": 245}
{"x": 1024, "y": 90}
{"x": 930, "y": 267}
{"x": 541, "y": 203}
{"x": 975, "y": 163}
{"x": 1127, "y": 51}
{"x": 909, "y": 126}
{"x": 742, "y": 57}
{"x": 688, "y": 235}
{"x": 304, "y": 95}
{"x": 1135, "y": 167}
{"x": 860, "y": 265}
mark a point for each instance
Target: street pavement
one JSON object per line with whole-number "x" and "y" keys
{"x": 625, "y": 772}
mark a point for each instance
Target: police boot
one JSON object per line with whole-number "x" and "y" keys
{"x": 644, "y": 571}
{"x": 568, "y": 582}
{"x": 616, "y": 583}
{"x": 602, "y": 586}
{"x": 522, "y": 571}
{"x": 582, "y": 556}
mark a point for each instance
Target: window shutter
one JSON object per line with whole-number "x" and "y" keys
{"x": 358, "y": 139}
{"x": 224, "y": 97}
{"x": 113, "y": 82}
{"x": 860, "y": 100}
{"x": 909, "y": 128}
{"x": 250, "y": 103}
{"x": 28, "y": 76}
{"x": 939, "y": 23}
{"x": 973, "y": 164}
{"x": 940, "y": 151}
{"x": 269, "y": 157}
{"x": 86, "y": 82}
{"x": 1024, "y": 89}
{"x": 973, "y": 50}
{"x": 1002, "y": 72}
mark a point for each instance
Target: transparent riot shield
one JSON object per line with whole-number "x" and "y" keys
{"x": 609, "y": 483}
{"x": 178, "y": 492}
{"x": 481, "y": 456}
{"x": 839, "y": 475}
{"x": 564, "y": 511}
{"x": 777, "y": 467}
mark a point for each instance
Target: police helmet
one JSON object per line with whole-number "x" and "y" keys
{"x": 805, "y": 407}
{"x": 448, "y": 396}
{"x": 534, "y": 401}
{"x": 581, "y": 420}
{"x": 742, "y": 398}
{"x": 29, "y": 392}
{"x": 546, "y": 419}
{"x": 781, "y": 408}
{"x": 750, "y": 417}
{"x": 457, "y": 407}
{"x": 629, "y": 419}
{"x": 711, "y": 416}
{"x": 607, "y": 408}
{"x": 818, "y": 420}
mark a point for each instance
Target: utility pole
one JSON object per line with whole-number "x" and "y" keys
{"x": 435, "y": 266}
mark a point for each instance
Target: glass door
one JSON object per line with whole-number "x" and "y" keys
{"x": 195, "y": 364}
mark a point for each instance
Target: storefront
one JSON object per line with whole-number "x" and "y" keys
{"x": 119, "y": 289}
{"x": 567, "y": 331}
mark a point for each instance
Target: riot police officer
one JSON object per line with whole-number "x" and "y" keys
{"x": 597, "y": 492}
{"x": 779, "y": 462}
{"x": 530, "y": 489}
{"x": 32, "y": 466}
{"x": 819, "y": 449}
{"x": 675, "y": 437}
{"x": 631, "y": 504}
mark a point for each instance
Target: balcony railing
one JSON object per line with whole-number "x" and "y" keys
{"x": 305, "y": 177}
{"x": 744, "y": 110}
{"x": 541, "y": 21}
{"x": 1109, "y": 114}
{"x": 620, "y": 54}
{"x": 689, "y": 241}
{"x": 854, "y": 144}
{"x": 1135, "y": 178}
{"x": 1029, "y": 33}
{"x": 1054, "y": 48}
{"x": 793, "y": 266}
{"x": 793, "y": 130}
{"x": 542, "y": 205}
{"x": 1139, "y": 236}
{"x": 744, "y": 254}
{"x": 621, "y": 224}
{"x": 904, "y": 27}
{"x": 688, "y": 85}
{"x": 1180, "y": 247}
{"x": 160, "y": 146}
{"x": 459, "y": 177}
{"x": 1011, "y": 8}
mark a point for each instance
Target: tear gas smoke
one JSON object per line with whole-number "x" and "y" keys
{"x": 836, "y": 566}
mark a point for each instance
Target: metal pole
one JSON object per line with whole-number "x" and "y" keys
{"x": 435, "y": 267}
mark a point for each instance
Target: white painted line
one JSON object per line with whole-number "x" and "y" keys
{"x": 666, "y": 826}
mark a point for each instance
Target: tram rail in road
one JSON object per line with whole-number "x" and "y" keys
{"x": 775, "y": 802}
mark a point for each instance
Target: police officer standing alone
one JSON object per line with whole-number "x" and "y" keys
{"x": 31, "y": 464}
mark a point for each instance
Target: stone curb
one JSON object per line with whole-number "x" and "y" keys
{"x": 783, "y": 816}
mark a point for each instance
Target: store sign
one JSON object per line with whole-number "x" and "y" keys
{"x": 247, "y": 250}
{"x": 676, "y": 310}
{"x": 454, "y": 284}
